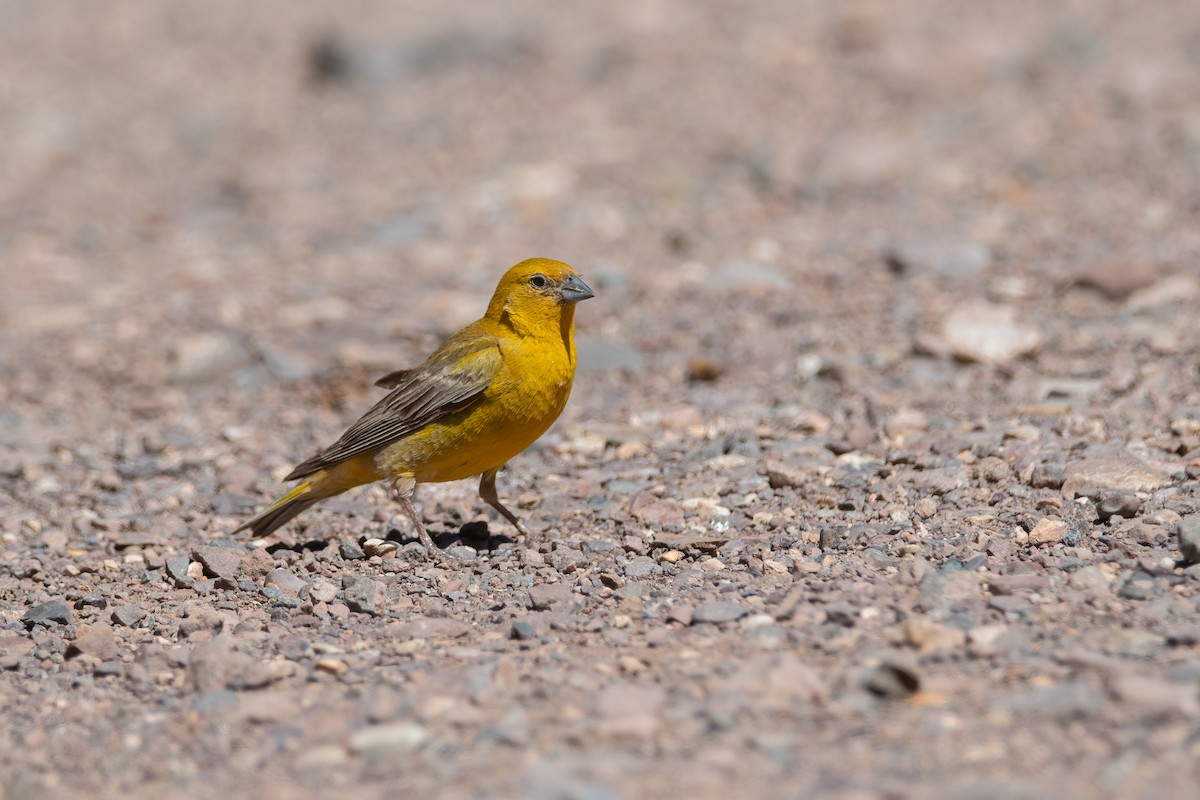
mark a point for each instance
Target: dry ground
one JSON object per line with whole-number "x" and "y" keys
{"x": 879, "y": 476}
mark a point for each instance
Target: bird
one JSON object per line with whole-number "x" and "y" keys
{"x": 485, "y": 395}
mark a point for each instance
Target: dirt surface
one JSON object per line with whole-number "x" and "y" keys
{"x": 878, "y": 480}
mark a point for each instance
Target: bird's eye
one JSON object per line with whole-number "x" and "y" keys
{"x": 538, "y": 281}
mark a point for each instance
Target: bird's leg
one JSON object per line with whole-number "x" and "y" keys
{"x": 487, "y": 491}
{"x": 404, "y": 487}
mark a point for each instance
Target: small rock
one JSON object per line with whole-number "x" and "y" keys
{"x": 256, "y": 563}
{"x": 784, "y": 476}
{"x": 660, "y": 512}
{"x": 1047, "y": 531}
{"x": 379, "y": 547}
{"x": 128, "y": 615}
{"x": 331, "y": 666}
{"x": 97, "y": 641}
{"x": 523, "y": 630}
{"x": 364, "y": 595}
{"x": 928, "y": 636}
{"x": 671, "y": 556}
{"x": 718, "y": 611}
{"x": 47, "y": 612}
{"x": 1139, "y": 586}
{"x": 177, "y": 569}
{"x": 988, "y": 333}
{"x": 351, "y": 551}
{"x": 640, "y": 567}
{"x": 1118, "y": 505}
{"x": 392, "y": 740}
{"x": 1189, "y": 538}
{"x": 947, "y": 257}
{"x": 323, "y": 590}
{"x": 286, "y": 581}
{"x": 1116, "y": 280}
{"x": 1117, "y": 473}
{"x": 219, "y": 562}
{"x": 546, "y": 596}
{"x": 894, "y": 677}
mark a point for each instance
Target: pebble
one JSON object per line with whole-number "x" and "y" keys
{"x": 128, "y": 615}
{"x": 1189, "y": 538}
{"x": 953, "y": 258}
{"x": 1139, "y": 586}
{"x": 177, "y": 569}
{"x": 350, "y": 550}
{"x": 390, "y": 741}
{"x": 285, "y": 580}
{"x": 47, "y": 612}
{"x": 219, "y": 562}
{"x": 546, "y": 596}
{"x": 364, "y": 595}
{"x": 1118, "y": 505}
{"x": 640, "y": 567}
{"x": 1117, "y": 473}
{"x": 988, "y": 333}
{"x": 331, "y": 666}
{"x": 717, "y": 612}
{"x": 781, "y": 475}
{"x": 97, "y": 641}
{"x": 523, "y": 630}
{"x": 894, "y": 676}
{"x": 323, "y": 590}
{"x": 1117, "y": 280}
{"x": 928, "y": 636}
{"x": 1047, "y": 531}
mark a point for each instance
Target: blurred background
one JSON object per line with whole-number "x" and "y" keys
{"x": 244, "y": 158}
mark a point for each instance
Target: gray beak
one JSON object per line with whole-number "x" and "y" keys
{"x": 574, "y": 289}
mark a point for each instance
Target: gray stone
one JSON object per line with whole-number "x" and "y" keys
{"x": 988, "y": 333}
{"x": 546, "y": 596}
{"x": 219, "y": 562}
{"x": 894, "y": 676}
{"x": 1189, "y": 538}
{"x": 177, "y": 569}
{"x": 47, "y": 612}
{"x": 286, "y": 581}
{"x": 391, "y": 740}
{"x": 718, "y": 611}
{"x": 128, "y": 615}
{"x": 351, "y": 550}
{"x": 1117, "y": 473}
{"x": 364, "y": 595}
{"x": 640, "y": 567}
{"x": 945, "y": 257}
{"x": 523, "y": 630}
{"x": 1118, "y": 505}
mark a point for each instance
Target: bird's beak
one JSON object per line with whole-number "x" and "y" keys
{"x": 574, "y": 289}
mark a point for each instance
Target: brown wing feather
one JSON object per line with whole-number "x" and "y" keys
{"x": 452, "y": 379}
{"x": 394, "y": 379}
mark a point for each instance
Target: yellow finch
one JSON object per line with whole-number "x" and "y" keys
{"x": 484, "y": 396}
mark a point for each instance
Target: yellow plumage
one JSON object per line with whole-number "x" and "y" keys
{"x": 481, "y": 398}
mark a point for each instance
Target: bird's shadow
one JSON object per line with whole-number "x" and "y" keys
{"x": 476, "y": 534}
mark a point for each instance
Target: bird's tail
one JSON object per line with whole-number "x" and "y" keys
{"x": 317, "y": 486}
{"x": 286, "y": 507}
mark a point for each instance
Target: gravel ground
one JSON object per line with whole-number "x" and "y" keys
{"x": 878, "y": 480}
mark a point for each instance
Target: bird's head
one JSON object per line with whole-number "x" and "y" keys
{"x": 536, "y": 292}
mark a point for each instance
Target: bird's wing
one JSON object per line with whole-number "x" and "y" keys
{"x": 394, "y": 379}
{"x": 453, "y": 378}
